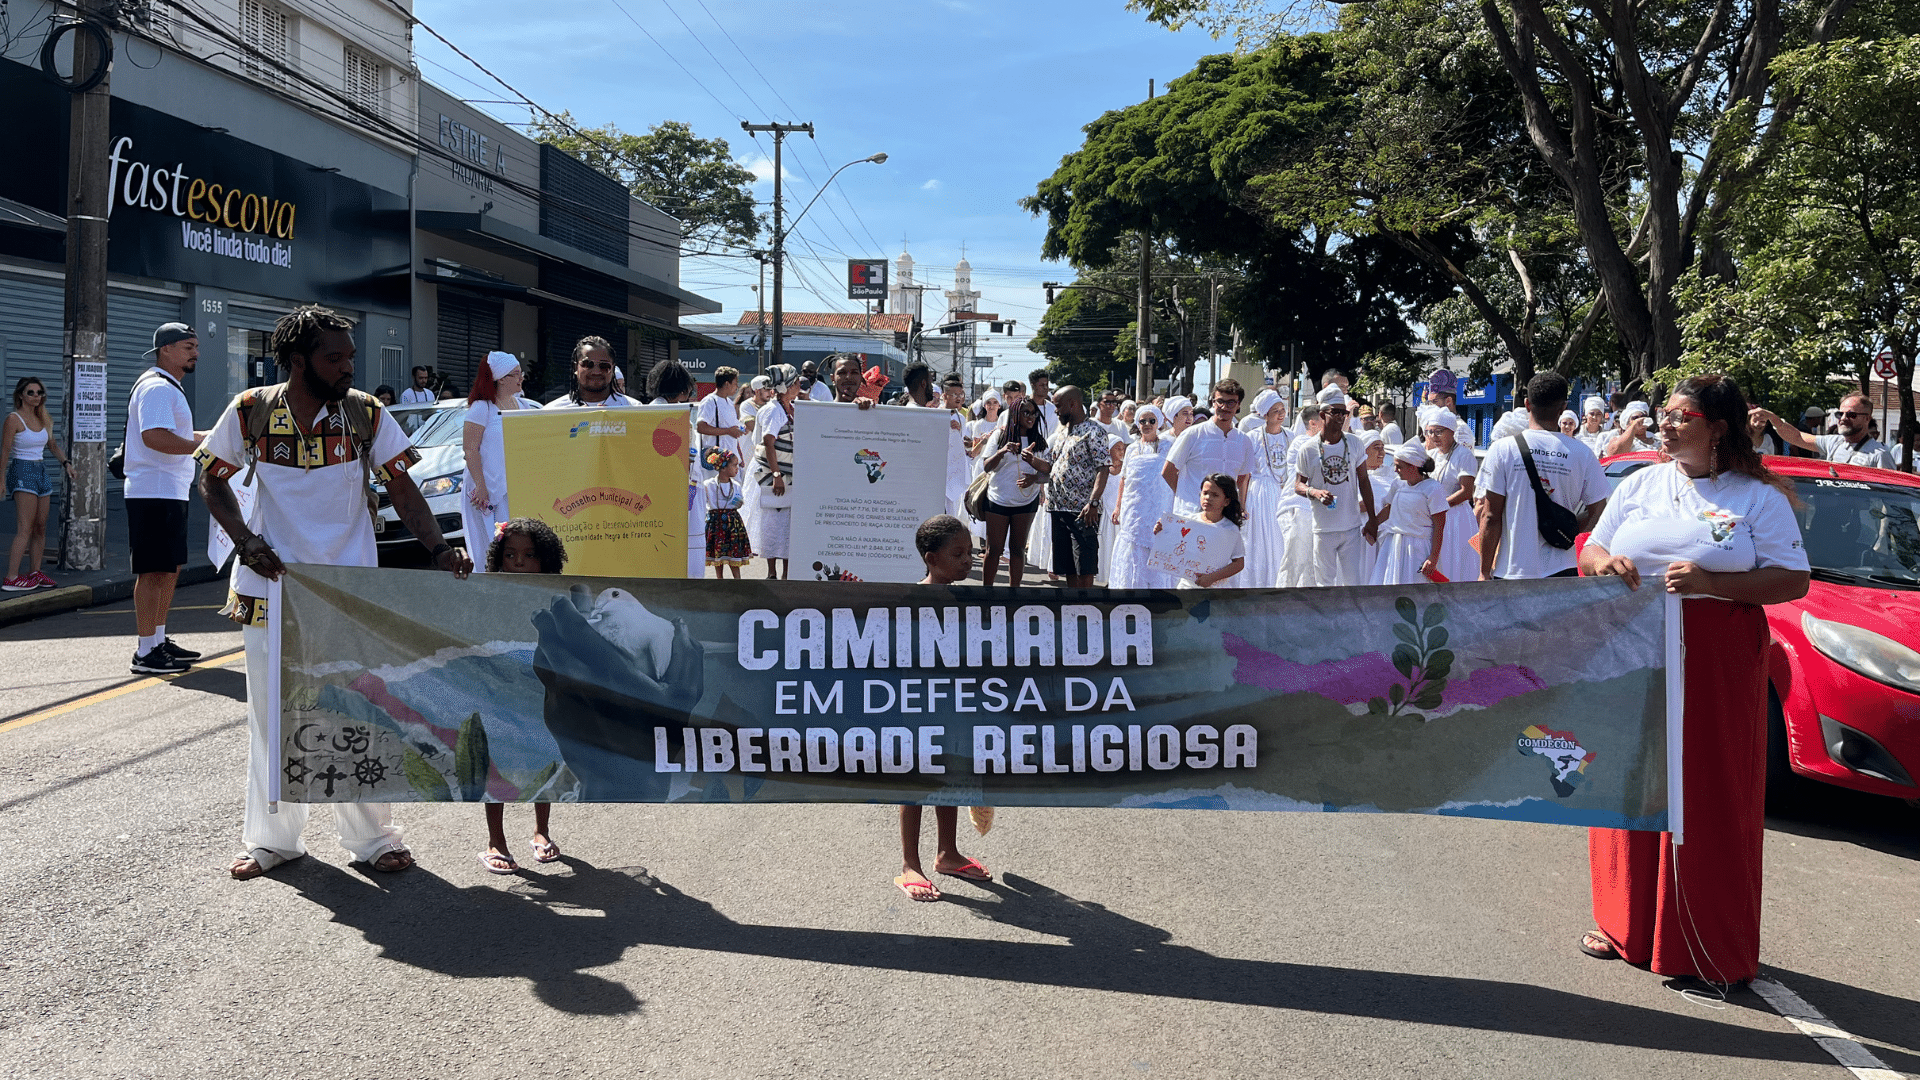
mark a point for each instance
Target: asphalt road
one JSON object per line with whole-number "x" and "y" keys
{"x": 715, "y": 941}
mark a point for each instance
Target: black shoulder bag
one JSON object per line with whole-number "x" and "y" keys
{"x": 1558, "y": 525}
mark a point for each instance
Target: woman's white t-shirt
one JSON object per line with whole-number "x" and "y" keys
{"x": 1005, "y": 487}
{"x": 1658, "y": 516}
{"x": 493, "y": 452}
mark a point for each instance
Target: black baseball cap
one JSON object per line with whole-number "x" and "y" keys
{"x": 169, "y": 333}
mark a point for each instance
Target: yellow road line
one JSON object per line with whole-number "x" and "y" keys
{"x": 224, "y": 659}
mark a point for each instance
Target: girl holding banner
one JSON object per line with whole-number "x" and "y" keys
{"x": 1715, "y": 527}
{"x": 496, "y": 389}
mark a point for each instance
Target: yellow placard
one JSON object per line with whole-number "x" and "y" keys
{"x": 611, "y": 482}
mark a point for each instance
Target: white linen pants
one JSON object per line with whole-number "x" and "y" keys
{"x": 1339, "y": 558}
{"x": 366, "y": 829}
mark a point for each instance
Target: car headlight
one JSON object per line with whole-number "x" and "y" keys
{"x": 1876, "y": 656}
{"x": 441, "y": 485}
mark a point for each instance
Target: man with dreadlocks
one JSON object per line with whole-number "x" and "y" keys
{"x": 313, "y": 445}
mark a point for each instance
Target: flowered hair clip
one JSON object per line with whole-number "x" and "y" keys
{"x": 500, "y": 530}
{"x": 716, "y": 459}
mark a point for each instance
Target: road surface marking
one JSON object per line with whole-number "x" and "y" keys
{"x": 1814, "y": 1024}
{"x": 220, "y": 660}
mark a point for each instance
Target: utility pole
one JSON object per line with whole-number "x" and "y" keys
{"x": 760, "y": 299}
{"x": 1143, "y": 359}
{"x": 1213, "y": 331}
{"x": 83, "y": 518}
{"x": 780, "y": 132}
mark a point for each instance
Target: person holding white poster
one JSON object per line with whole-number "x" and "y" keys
{"x": 1206, "y": 548}
{"x": 866, "y": 478}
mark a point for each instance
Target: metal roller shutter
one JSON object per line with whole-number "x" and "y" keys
{"x": 469, "y": 328}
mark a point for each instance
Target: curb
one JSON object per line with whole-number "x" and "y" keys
{"x": 75, "y": 597}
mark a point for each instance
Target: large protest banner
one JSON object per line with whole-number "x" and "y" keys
{"x": 611, "y": 482}
{"x": 863, "y": 481}
{"x": 1525, "y": 700}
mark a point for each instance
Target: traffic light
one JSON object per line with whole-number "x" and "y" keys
{"x": 997, "y": 328}
{"x": 1049, "y": 296}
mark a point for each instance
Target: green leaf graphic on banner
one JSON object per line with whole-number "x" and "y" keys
{"x": 470, "y": 759}
{"x": 540, "y": 780}
{"x": 1377, "y": 706}
{"x": 1436, "y": 637}
{"x": 1406, "y": 633}
{"x": 1404, "y": 658}
{"x": 1436, "y": 613}
{"x": 1397, "y": 693}
{"x": 424, "y": 778}
{"x": 1404, "y": 606}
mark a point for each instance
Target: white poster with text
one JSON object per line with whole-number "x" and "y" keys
{"x": 863, "y": 481}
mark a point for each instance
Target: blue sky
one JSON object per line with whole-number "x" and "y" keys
{"x": 973, "y": 102}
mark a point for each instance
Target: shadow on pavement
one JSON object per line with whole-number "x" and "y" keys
{"x": 479, "y": 931}
{"x": 94, "y": 774}
{"x": 1825, "y": 812}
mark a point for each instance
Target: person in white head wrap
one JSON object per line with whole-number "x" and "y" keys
{"x": 1179, "y": 413}
{"x": 773, "y": 471}
{"x": 1331, "y": 473}
{"x": 1296, "y": 515}
{"x": 1635, "y": 431}
{"x": 1413, "y": 520}
{"x": 986, "y": 418}
{"x": 1455, "y": 469}
{"x": 1569, "y": 423}
{"x": 1513, "y": 423}
{"x": 1379, "y": 470}
{"x": 1593, "y": 424}
{"x": 1143, "y": 499}
{"x": 496, "y": 389}
{"x": 1257, "y": 413}
{"x": 1268, "y": 510}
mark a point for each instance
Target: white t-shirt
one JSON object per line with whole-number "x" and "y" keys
{"x": 716, "y": 411}
{"x": 613, "y": 401}
{"x": 1004, "y": 487}
{"x": 1571, "y": 476}
{"x": 1204, "y": 449}
{"x": 1659, "y": 516}
{"x": 1391, "y": 436}
{"x": 1871, "y": 453}
{"x": 411, "y": 396}
{"x": 1223, "y": 539}
{"x": 157, "y": 403}
{"x": 313, "y": 510}
{"x": 1334, "y": 467}
{"x": 493, "y": 453}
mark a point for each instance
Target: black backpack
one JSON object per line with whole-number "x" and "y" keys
{"x": 1558, "y": 525}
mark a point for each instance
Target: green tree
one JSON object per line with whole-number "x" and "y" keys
{"x": 1673, "y": 76}
{"x": 1182, "y": 167}
{"x": 669, "y": 167}
{"x": 1827, "y": 238}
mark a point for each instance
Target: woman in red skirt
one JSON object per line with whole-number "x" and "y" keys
{"x": 1715, "y": 526}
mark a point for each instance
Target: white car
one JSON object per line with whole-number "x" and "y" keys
{"x": 436, "y": 431}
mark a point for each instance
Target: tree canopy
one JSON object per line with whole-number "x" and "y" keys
{"x": 669, "y": 167}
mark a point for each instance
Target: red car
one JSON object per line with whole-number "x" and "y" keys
{"x": 1845, "y": 659}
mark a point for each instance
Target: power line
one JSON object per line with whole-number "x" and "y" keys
{"x": 670, "y": 56}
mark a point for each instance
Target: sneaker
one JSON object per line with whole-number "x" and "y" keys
{"x": 158, "y": 661}
{"x": 179, "y": 652}
{"x": 18, "y": 584}
{"x": 42, "y": 581}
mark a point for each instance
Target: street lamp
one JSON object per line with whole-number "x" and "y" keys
{"x": 780, "y": 232}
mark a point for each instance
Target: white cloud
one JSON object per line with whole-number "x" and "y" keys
{"x": 762, "y": 169}
{"x": 931, "y": 185}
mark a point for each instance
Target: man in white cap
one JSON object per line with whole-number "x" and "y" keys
{"x": 1331, "y": 476}
{"x": 759, "y": 391}
{"x": 593, "y": 377}
{"x": 1204, "y": 449}
{"x": 158, "y": 455}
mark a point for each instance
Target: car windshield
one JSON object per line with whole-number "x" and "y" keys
{"x": 1864, "y": 530}
{"x": 443, "y": 429}
{"x": 412, "y": 418}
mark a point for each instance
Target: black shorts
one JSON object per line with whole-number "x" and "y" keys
{"x": 157, "y": 533}
{"x": 1011, "y": 511}
{"x": 1076, "y": 545}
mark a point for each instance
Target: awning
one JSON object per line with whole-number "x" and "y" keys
{"x": 526, "y": 294}
{"x": 492, "y": 234}
{"x": 32, "y": 217}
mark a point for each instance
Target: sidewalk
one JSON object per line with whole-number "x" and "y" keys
{"x": 85, "y": 588}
